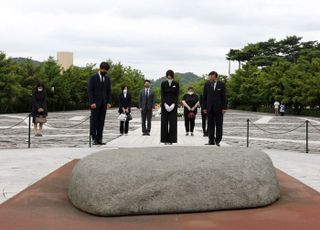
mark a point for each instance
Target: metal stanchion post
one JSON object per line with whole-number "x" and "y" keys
{"x": 29, "y": 131}
{"x": 307, "y": 136}
{"x": 247, "y": 133}
{"x": 90, "y": 132}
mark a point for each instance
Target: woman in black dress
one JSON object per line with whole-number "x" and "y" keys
{"x": 169, "y": 105}
{"x": 39, "y": 108}
{"x": 190, "y": 102}
{"x": 124, "y": 108}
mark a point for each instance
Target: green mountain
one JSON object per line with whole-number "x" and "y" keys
{"x": 20, "y": 60}
{"x": 186, "y": 79}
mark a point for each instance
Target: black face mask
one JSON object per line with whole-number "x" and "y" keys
{"x": 103, "y": 73}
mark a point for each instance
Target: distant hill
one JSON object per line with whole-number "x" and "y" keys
{"x": 186, "y": 79}
{"x": 21, "y": 60}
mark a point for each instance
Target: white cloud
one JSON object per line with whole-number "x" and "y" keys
{"x": 151, "y": 35}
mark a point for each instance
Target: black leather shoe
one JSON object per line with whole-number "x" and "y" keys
{"x": 210, "y": 143}
{"x": 101, "y": 143}
{"x": 144, "y": 134}
{"x": 95, "y": 142}
{"x": 148, "y": 134}
{"x": 218, "y": 144}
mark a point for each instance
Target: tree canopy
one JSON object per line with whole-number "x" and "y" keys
{"x": 287, "y": 70}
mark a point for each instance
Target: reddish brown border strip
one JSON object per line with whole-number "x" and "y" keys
{"x": 45, "y": 205}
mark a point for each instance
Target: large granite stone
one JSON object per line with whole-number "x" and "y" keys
{"x": 172, "y": 180}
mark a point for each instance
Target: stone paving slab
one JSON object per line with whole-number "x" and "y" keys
{"x": 135, "y": 138}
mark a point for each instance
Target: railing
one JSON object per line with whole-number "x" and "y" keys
{"x": 56, "y": 127}
{"x": 305, "y": 124}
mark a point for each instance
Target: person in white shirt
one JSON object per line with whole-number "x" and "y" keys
{"x": 276, "y": 107}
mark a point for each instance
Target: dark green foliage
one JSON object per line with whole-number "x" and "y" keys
{"x": 66, "y": 90}
{"x": 288, "y": 71}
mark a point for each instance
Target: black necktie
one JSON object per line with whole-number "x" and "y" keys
{"x": 147, "y": 94}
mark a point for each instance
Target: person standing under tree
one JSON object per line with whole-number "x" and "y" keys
{"x": 146, "y": 105}
{"x": 215, "y": 105}
{"x": 99, "y": 92}
{"x": 39, "y": 108}
{"x": 169, "y": 105}
{"x": 276, "y": 108}
{"x": 190, "y": 102}
{"x": 282, "y": 109}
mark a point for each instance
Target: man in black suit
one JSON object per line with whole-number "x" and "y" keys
{"x": 99, "y": 91}
{"x": 215, "y": 105}
{"x": 146, "y": 105}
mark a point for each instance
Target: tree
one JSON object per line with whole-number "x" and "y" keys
{"x": 11, "y": 92}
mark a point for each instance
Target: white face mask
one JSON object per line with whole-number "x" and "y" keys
{"x": 40, "y": 89}
{"x": 190, "y": 92}
{"x": 125, "y": 91}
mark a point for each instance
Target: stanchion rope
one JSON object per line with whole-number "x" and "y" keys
{"x": 277, "y": 132}
{"x": 15, "y": 124}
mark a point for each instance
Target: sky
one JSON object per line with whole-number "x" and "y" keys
{"x": 151, "y": 35}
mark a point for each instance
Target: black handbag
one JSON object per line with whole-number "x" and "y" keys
{"x": 129, "y": 117}
{"x": 40, "y": 119}
{"x": 191, "y": 115}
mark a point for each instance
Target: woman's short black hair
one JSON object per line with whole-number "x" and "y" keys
{"x": 39, "y": 84}
{"x": 170, "y": 73}
{"x": 104, "y": 65}
{"x": 213, "y": 73}
{"x": 190, "y": 87}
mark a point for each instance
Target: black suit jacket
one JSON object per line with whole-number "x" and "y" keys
{"x": 142, "y": 100}
{"x": 99, "y": 92}
{"x": 124, "y": 102}
{"x": 214, "y": 100}
{"x": 170, "y": 94}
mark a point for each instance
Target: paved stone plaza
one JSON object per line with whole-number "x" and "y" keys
{"x": 66, "y": 137}
{"x": 70, "y": 129}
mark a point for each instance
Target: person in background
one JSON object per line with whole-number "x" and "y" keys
{"x": 39, "y": 108}
{"x": 215, "y": 105}
{"x": 276, "y": 108}
{"x": 190, "y": 102}
{"x": 146, "y": 105}
{"x": 282, "y": 109}
{"x": 204, "y": 118}
{"x": 125, "y": 108}
{"x": 99, "y": 92}
{"x": 169, "y": 105}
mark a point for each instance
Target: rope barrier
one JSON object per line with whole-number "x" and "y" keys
{"x": 15, "y": 124}
{"x": 314, "y": 126}
{"x": 71, "y": 126}
{"x": 302, "y": 124}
